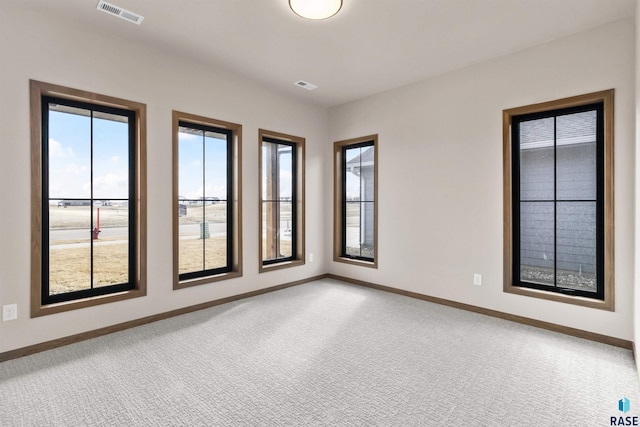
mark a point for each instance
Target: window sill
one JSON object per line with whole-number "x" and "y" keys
{"x": 280, "y": 265}
{"x": 181, "y": 284}
{"x": 352, "y": 261}
{"x": 44, "y": 310}
{"x": 606, "y": 304}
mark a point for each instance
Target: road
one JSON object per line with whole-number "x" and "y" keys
{"x": 187, "y": 231}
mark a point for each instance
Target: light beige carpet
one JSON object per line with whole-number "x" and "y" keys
{"x": 323, "y": 353}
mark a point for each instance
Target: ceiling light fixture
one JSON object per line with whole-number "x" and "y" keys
{"x": 315, "y": 9}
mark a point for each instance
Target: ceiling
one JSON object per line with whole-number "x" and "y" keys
{"x": 370, "y": 46}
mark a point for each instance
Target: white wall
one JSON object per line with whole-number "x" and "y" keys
{"x": 440, "y": 167}
{"x": 50, "y": 49}
{"x": 440, "y": 173}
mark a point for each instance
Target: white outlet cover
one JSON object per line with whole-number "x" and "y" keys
{"x": 477, "y": 279}
{"x": 9, "y": 312}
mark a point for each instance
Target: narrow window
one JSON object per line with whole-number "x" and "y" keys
{"x": 87, "y": 179}
{"x": 560, "y": 224}
{"x": 355, "y": 235}
{"x": 281, "y": 201}
{"x": 206, "y": 205}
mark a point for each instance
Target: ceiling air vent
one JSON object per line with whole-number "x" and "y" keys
{"x": 111, "y": 9}
{"x": 306, "y": 85}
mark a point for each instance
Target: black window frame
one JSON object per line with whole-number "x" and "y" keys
{"x": 293, "y": 201}
{"x": 228, "y": 268}
{"x": 344, "y": 202}
{"x": 516, "y": 120}
{"x": 46, "y": 298}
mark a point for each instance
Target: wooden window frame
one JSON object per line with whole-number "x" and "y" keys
{"x": 338, "y": 189}
{"x": 607, "y": 99}
{"x": 235, "y": 199}
{"x": 38, "y": 90}
{"x": 298, "y": 257}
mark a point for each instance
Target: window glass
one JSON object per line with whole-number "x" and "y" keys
{"x": 359, "y": 212}
{"x": 87, "y": 191}
{"x": 279, "y": 200}
{"x": 204, "y": 211}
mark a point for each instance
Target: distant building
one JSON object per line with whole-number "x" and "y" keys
{"x": 362, "y": 167}
{"x": 571, "y": 246}
{"x": 84, "y": 202}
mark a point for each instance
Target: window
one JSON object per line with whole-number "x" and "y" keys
{"x": 559, "y": 200}
{"x": 88, "y": 173}
{"x": 281, "y": 200}
{"x": 206, "y": 211}
{"x": 356, "y": 207}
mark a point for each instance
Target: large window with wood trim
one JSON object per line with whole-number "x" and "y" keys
{"x": 88, "y": 198}
{"x": 281, "y": 200}
{"x": 356, "y": 208}
{"x": 206, "y": 200}
{"x": 559, "y": 207}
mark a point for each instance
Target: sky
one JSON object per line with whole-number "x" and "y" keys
{"x": 70, "y": 157}
{"x": 193, "y": 160}
{"x": 70, "y": 161}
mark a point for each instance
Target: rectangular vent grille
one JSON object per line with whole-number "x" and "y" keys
{"x": 112, "y": 9}
{"x": 306, "y": 85}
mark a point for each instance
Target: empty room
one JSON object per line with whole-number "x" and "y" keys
{"x": 319, "y": 212}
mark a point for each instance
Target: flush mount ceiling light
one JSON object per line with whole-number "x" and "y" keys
{"x": 315, "y": 9}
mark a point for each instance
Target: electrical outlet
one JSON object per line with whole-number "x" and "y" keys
{"x": 9, "y": 312}
{"x": 477, "y": 279}
{"x": 310, "y": 257}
